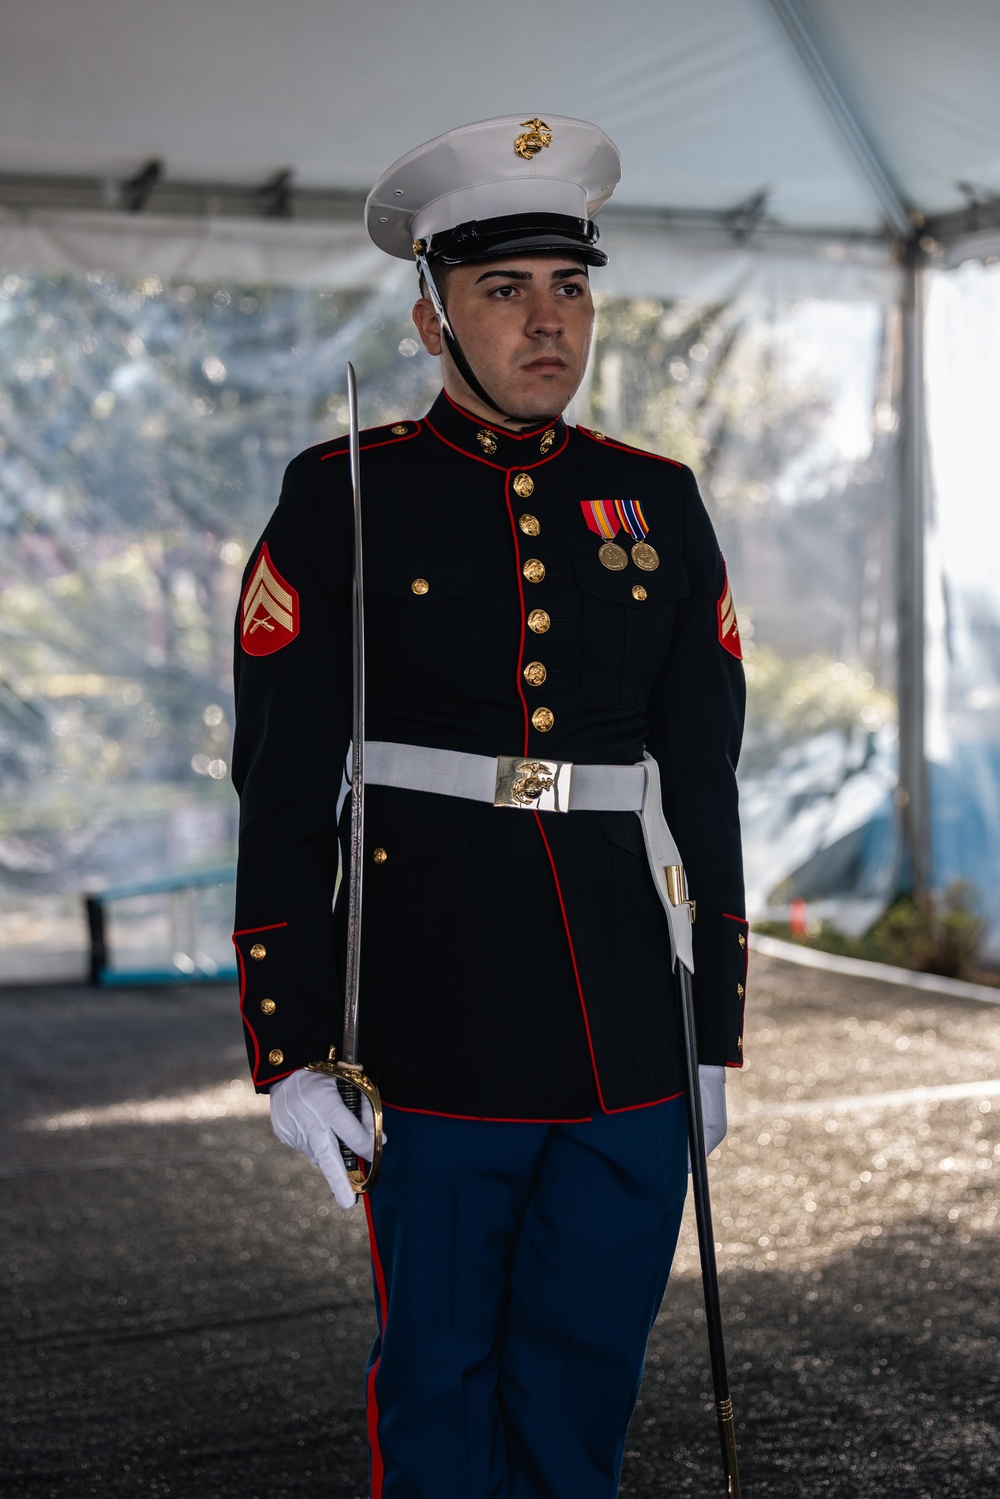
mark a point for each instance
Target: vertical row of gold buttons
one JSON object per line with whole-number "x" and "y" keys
{"x": 533, "y": 570}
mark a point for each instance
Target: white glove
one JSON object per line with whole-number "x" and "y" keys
{"x": 308, "y": 1113}
{"x": 712, "y": 1082}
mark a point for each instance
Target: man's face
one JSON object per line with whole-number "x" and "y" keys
{"x": 524, "y": 324}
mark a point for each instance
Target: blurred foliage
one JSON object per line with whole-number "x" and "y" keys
{"x": 791, "y": 698}
{"x": 941, "y": 933}
{"x": 705, "y": 384}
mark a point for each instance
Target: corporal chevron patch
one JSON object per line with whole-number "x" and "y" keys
{"x": 269, "y": 612}
{"x": 729, "y": 634}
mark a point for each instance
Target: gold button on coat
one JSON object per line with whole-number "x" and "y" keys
{"x": 638, "y": 592}
{"x": 534, "y": 570}
{"x": 524, "y": 485}
{"x": 739, "y": 990}
{"x": 543, "y": 719}
{"x": 267, "y": 1006}
{"x": 276, "y": 1057}
{"x": 420, "y": 586}
{"x": 258, "y": 951}
{"x": 538, "y": 621}
{"x": 535, "y": 673}
{"x": 530, "y": 524}
{"x": 380, "y": 856}
{"x": 400, "y": 430}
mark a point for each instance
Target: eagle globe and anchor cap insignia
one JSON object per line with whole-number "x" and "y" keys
{"x": 269, "y": 611}
{"x": 537, "y": 136}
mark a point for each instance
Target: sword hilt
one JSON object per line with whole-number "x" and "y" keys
{"x": 352, "y": 1082}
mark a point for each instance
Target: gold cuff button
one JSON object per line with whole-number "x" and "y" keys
{"x": 742, "y": 940}
{"x": 739, "y": 1043}
{"x": 380, "y": 856}
{"x": 530, "y": 524}
{"x": 258, "y": 951}
{"x": 739, "y": 990}
{"x": 538, "y": 621}
{"x": 534, "y": 570}
{"x": 638, "y": 592}
{"x": 535, "y": 673}
{"x": 276, "y": 1057}
{"x": 543, "y": 719}
{"x": 400, "y": 431}
{"x": 524, "y": 485}
{"x": 267, "y": 1006}
{"x": 420, "y": 586}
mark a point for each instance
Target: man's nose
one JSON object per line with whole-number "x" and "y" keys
{"x": 544, "y": 316}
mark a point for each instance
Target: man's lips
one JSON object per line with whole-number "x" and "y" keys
{"x": 546, "y": 364}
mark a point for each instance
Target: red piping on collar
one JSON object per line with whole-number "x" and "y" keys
{"x": 500, "y": 431}
{"x": 503, "y": 468}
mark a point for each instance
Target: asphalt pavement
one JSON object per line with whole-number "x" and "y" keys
{"x": 187, "y": 1313}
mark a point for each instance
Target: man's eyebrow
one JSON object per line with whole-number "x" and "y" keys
{"x": 513, "y": 275}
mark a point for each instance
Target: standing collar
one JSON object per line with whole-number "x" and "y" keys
{"x": 492, "y": 444}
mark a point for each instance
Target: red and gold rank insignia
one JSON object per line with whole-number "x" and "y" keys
{"x": 729, "y": 634}
{"x": 270, "y": 609}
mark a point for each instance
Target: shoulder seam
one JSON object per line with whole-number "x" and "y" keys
{"x": 624, "y": 447}
{"x": 371, "y": 439}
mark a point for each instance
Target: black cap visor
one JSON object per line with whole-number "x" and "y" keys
{"x": 516, "y": 234}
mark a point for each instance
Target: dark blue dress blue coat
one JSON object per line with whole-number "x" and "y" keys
{"x": 515, "y": 965}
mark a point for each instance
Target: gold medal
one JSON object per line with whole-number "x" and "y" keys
{"x": 613, "y": 557}
{"x": 645, "y": 556}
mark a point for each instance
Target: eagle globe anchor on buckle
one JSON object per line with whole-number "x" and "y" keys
{"x": 532, "y": 785}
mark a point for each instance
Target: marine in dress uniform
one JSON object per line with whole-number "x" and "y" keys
{"x": 544, "y": 606}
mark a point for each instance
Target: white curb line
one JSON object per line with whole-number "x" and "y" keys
{"x": 861, "y": 968}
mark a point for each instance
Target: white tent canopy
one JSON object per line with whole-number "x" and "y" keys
{"x": 713, "y": 107}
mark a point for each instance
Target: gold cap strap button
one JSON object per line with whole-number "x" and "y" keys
{"x": 380, "y": 856}
{"x": 538, "y": 621}
{"x": 534, "y": 570}
{"x": 258, "y": 951}
{"x": 267, "y": 1006}
{"x": 542, "y": 719}
{"x": 530, "y": 524}
{"x": 420, "y": 586}
{"x": 276, "y": 1057}
{"x": 524, "y": 485}
{"x": 535, "y": 673}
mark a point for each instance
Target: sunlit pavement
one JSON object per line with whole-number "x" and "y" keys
{"x": 188, "y": 1313}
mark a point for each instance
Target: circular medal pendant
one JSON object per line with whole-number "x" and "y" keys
{"x": 645, "y": 556}
{"x": 613, "y": 557}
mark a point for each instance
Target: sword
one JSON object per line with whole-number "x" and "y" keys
{"x": 668, "y": 872}
{"x": 351, "y": 1077}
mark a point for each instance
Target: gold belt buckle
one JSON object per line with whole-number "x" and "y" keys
{"x": 533, "y": 785}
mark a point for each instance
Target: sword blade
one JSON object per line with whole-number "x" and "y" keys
{"x": 349, "y": 1050}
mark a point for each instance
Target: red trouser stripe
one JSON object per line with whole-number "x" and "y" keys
{"x": 371, "y": 1404}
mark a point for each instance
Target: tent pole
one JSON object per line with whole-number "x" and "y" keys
{"x": 912, "y": 793}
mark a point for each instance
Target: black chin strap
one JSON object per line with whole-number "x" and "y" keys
{"x": 454, "y": 347}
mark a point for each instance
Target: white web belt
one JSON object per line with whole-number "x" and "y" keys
{"x": 525, "y": 782}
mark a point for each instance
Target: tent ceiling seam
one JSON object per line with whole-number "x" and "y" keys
{"x": 856, "y": 132}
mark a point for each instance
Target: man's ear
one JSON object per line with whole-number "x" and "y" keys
{"x": 427, "y": 325}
